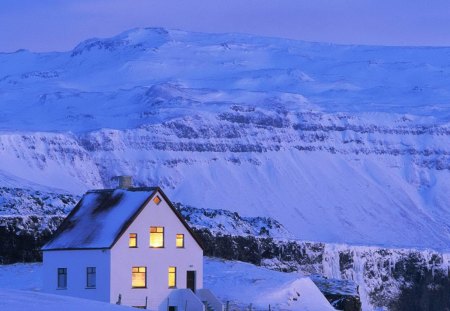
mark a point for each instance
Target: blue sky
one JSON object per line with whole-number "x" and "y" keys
{"x": 49, "y": 25}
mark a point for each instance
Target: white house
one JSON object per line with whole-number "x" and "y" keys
{"x": 128, "y": 246}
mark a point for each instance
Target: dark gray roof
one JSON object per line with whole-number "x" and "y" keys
{"x": 99, "y": 218}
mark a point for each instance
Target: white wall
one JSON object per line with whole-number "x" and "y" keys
{"x": 76, "y": 262}
{"x": 157, "y": 260}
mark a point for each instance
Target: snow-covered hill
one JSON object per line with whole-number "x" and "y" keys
{"x": 19, "y": 300}
{"x": 345, "y": 144}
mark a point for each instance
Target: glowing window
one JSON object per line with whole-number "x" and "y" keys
{"x": 91, "y": 277}
{"x": 62, "y": 278}
{"x": 157, "y": 200}
{"x": 180, "y": 241}
{"x": 172, "y": 276}
{"x": 139, "y": 277}
{"x": 157, "y": 237}
{"x": 132, "y": 242}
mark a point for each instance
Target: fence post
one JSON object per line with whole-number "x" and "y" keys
{"x": 227, "y": 306}
{"x": 269, "y": 308}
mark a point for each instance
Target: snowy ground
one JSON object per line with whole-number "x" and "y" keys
{"x": 239, "y": 283}
{"x": 243, "y": 284}
{"x": 18, "y": 300}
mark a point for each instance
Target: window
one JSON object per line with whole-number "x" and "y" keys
{"x": 172, "y": 277}
{"x": 180, "y": 241}
{"x": 157, "y": 237}
{"x": 62, "y": 278}
{"x": 132, "y": 242}
{"x": 157, "y": 200}
{"x": 91, "y": 277}
{"x": 139, "y": 277}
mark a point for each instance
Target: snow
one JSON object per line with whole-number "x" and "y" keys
{"x": 25, "y": 202}
{"x": 340, "y": 144}
{"x": 243, "y": 284}
{"x": 224, "y": 222}
{"x": 98, "y": 218}
{"x": 20, "y": 286}
{"x": 240, "y": 283}
{"x": 19, "y": 300}
{"x": 108, "y": 83}
{"x": 21, "y": 276}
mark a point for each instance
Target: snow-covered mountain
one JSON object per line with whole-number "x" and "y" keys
{"x": 346, "y": 144}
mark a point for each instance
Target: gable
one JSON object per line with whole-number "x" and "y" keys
{"x": 171, "y": 208}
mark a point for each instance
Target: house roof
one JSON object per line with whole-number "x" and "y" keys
{"x": 102, "y": 216}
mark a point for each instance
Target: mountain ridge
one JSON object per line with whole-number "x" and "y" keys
{"x": 340, "y": 144}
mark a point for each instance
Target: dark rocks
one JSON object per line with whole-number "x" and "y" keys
{"x": 344, "y": 302}
{"x": 22, "y": 237}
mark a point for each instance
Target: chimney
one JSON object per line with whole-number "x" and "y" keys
{"x": 125, "y": 182}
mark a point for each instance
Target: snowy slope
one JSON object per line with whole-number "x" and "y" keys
{"x": 19, "y": 300}
{"x": 104, "y": 78}
{"x": 223, "y": 222}
{"x": 345, "y": 144}
{"x": 243, "y": 284}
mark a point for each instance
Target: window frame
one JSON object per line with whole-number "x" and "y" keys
{"x": 174, "y": 274}
{"x": 91, "y": 271}
{"x": 182, "y": 240}
{"x": 61, "y": 272}
{"x": 135, "y": 240}
{"x": 145, "y": 276}
{"x": 156, "y": 232}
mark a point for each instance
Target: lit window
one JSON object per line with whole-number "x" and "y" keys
{"x": 139, "y": 277}
{"x": 172, "y": 276}
{"x": 62, "y": 278}
{"x": 180, "y": 241}
{"x": 157, "y": 200}
{"x": 132, "y": 242}
{"x": 91, "y": 277}
{"x": 157, "y": 237}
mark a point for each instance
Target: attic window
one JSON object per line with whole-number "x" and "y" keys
{"x": 139, "y": 277}
{"x": 157, "y": 200}
{"x": 157, "y": 237}
{"x": 180, "y": 241}
{"x": 132, "y": 242}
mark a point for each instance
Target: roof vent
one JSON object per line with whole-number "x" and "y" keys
{"x": 125, "y": 182}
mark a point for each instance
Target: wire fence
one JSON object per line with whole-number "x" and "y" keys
{"x": 141, "y": 303}
{"x": 232, "y": 306}
{"x": 145, "y": 303}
